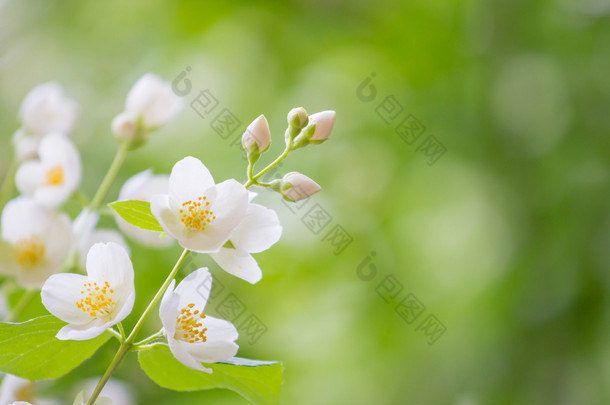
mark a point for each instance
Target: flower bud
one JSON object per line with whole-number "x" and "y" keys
{"x": 296, "y": 186}
{"x": 124, "y": 126}
{"x": 46, "y": 109}
{"x": 153, "y": 102}
{"x": 297, "y": 118}
{"x": 257, "y": 137}
{"x": 324, "y": 122}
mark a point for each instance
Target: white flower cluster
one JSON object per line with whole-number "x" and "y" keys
{"x": 40, "y": 244}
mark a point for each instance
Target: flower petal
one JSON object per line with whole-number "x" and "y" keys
{"x": 219, "y": 345}
{"x": 110, "y": 262}
{"x": 29, "y": 176}
{"x": 57, "y": 238}
{"x": 189, "y": 179}
{"x": 258, "y": 231}
{"x": 60, "y": 293}
{"x": 195, "y": 289}
{"x": 57, "y": 150}
{"x": 141, "y": 92}
{"x": 99, "y": 236}
{"x": 126, "y": 306}
{"x": 229, "y": 207}
{"x": 180, "y": 352}
{"x": 22, "y": 218}
{"x": 168, "y": 310}
{"x": 80, "y": 332}
{"x": 163, "y": 209}
{"x": 239, "y": 263}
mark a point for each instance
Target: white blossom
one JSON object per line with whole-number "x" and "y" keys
{"x": 193, "y": 336}
{"x": 151, "y": 103}
{"x": 53, "y": 177}
{"x": 36, "y": 241}
{"x": 46, "y": 109}
{"x": 95, "y": 302}
{"x": 257, "y": 232}
{"x": 197, "y": 212}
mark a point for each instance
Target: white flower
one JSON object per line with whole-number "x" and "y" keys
{"x": 194, "y": 337}
{"x": 124, "y": 125}
{"x": 324, "y": 122}
{"x": 52, "y": 179}
{"x": 296, "y": 186}
{"x": 257, "y": 133}
{"x": 18, "y": 391}
{"x": 151, "y": 102}
{"x": 257, "y": 232}
{"x": 37, "y": 241}
{"x": 142, "y": 187}
{"x": 95, "y": 302}
{"x": 46, "y": 109}
{"x": 26, "y": 146}
{"x": 198, "y": 213}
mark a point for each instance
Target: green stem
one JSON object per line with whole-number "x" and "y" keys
{"x": 150, "y": 338}
{"x": 102, "y": 191}
{"x": 123, "y": 350}
{"x": 250, "y": 169}
{"x": 21, "y": 305}
{"x": 157, "y": 297}
{"x": 116, "y": 335}
{"x": 9, "y": 182}
{"x": 80, "y": 198}
{"x": 121, "y": 330}
{"x": 128, "y": 344}
{"x": 253, "y": 180}
{"x": 139, "y": 348}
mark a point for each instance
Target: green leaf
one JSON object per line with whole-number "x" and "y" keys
{"x": 137, "y": 213}
{"x": 31, "y": 350}
{"x": 257, "y": 381}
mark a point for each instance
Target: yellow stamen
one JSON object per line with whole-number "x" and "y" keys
{"x": 54, "y": 176}
{"x": 194, "y": 214}
{"x": 188, "y": 327}
{"x": 97, "y": 303}
{"x": 29, "y": 251}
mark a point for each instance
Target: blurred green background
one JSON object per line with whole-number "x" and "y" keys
{"x": 505, "y": 239}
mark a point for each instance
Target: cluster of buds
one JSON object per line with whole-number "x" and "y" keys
{"x": 303, "y": 129}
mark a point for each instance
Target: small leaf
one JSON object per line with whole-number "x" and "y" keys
{"x": 30, "y": 350}
{"x": 137, "y": 213}
{"x": 257, "y": 381}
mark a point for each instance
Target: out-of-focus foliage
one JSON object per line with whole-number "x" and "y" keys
{"x": 505, "y": 239}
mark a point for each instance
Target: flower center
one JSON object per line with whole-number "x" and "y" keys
{"x": 54, "y": 176}
{"x": 29, "y": 251}
{"x": 25, "y": 392}
{"x": 195, "y": 214}
{"x": 188, "y": 326}
{"x": 97, "y": 301}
